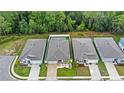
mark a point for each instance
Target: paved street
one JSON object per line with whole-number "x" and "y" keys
{"x": 51, "y": 72}
{"x": 34, "y": 73}
{"x": 5, "y": 62}
{"x": 95, "y": 73}
{"x": 112, "y": 71}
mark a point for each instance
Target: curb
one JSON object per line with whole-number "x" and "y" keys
{"x": 13, "y": 72}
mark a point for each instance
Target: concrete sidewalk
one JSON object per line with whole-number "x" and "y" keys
{"x": 34, "y": 73}
{"x": 51, "y": 72}
{"x": 113, "y": 74}
{"x": 95, "y": 73}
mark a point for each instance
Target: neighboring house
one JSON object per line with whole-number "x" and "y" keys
{"x": 33, "y": 51}
{"x": 109, "y": 50}
{"x": 58, "y": 51}
{"x": 84, "y": 51}
{"x": 121, "y": 44}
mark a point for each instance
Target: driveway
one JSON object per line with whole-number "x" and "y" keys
{"x": 5, "y": 63}
{"x": 113, "y": 74}
{"x": 51, "y": 72}
{"x": 95, "y": 73}
{"x": 34, "y": 73}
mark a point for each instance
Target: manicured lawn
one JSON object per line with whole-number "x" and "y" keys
{"x": 120, "y": 69}
{"x": 83, "y": 71}
{"x": 102, "y": 69}
{"x": 21, "y": 70}
{"x": 43, "y": 70}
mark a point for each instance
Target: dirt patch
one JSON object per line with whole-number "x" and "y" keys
{"x": 83, "y": 70}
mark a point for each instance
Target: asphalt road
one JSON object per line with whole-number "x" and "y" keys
{"x": 5, "y": 62}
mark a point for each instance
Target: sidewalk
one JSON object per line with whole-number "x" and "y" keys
{"x": 51, "y": 72}
{"x": 95, "y": 73}
{"x": 34, "y": 73}
{"x": 112, "y": 71}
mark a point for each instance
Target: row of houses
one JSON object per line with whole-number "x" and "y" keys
{"x": 57, "y": 49}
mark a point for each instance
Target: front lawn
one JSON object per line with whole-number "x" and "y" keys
{"x": 120, "y": 69}
{"x": 21, "y": 70}
{"x": 76, "y": 70}
{"x": 83, "y": 70}
{"x": 102, "y": 69}
{"x": 43, "y": 70}
{"x": 67, "y": 71}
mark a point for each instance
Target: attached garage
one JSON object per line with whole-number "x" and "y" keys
{"x": 108, "y": 49}
{"x": 33, "y": 52}
{"x": 84, "y": 51}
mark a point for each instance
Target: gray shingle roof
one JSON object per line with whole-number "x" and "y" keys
{"x": 34, "y": 49}
{"x": 83, "y": 49}
{"x": 58, "y": 49}
{"x": 108, "y": 48}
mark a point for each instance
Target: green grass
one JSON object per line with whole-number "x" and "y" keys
{"x": 67, "y": 71}
{"x": 74, "y": 71}
{"x": 21, "y": 70}
{"x": 120, "y": 69}
{"x": 102, "y": 69}
{"x": 43, "y": 70}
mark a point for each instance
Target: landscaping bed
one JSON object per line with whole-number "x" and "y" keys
{"x": 43, "y": 70}
{"x": 102, "y": 69}
{"x": 21, "y": 70}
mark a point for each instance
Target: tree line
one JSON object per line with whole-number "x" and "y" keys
{"x": 27, "y": 22}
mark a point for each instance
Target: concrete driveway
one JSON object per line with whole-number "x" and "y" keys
{"x": 95, "y": 73}
{"x": 51, "y": 72}
{"x": 34, "y": 73}
{"x": 5, "y": 62}
{"x": 113, "y": 74}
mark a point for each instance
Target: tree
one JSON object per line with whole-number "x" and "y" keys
{"x": 118, "y": 24}
{"x": 4, "y": 26}
{"x": 24, "y": 28}
{"x": 81, "y": 27}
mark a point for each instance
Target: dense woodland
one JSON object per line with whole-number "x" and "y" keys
{"x": 42, "y": 22}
